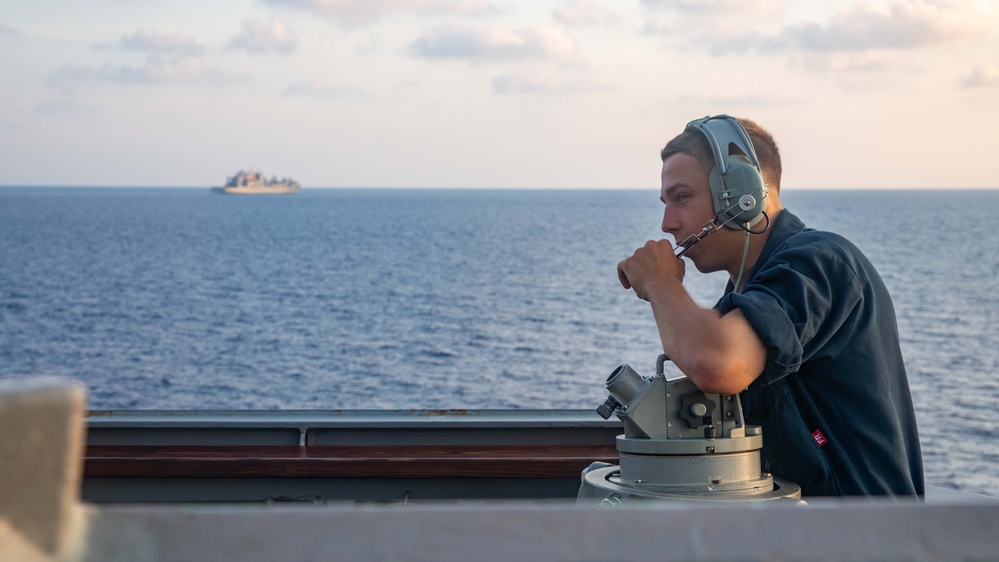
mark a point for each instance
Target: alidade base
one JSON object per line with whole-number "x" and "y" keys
{"x": 603, "y": 486}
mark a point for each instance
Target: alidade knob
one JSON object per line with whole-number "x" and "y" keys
{"x": 696, "y": 408}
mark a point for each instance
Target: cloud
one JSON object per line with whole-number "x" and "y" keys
{"x": 177, "y": 70}
{"x": 152, "y": 41}
{"x": 368, "y": 48}
{"x": 720, "y": 8}
{"x": 544, "y": 82}
{"x": 982, "y": 77}
{"x": 352, "y": 13}
{"x": 322, "y": 91}
{"x": 184, "y": 69}
{"x": 898, "y": 25}
{"x": 259, "y": 36}
{"x": 452, "y": 42}
{"x": 858, "y": 62}
{"x": 724, "y": 27}
{"x": 579, "y": 13}
{"x": 62, "y": 107}
{"x": 717, "y": 26}
{"x": 68, "y": 78}
{"x": 6, "y": 31}
{"x": 866, "y": 26}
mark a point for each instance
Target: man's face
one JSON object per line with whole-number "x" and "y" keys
{"x": 687, "y": 196}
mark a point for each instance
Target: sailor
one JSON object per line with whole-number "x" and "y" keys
{"x": 805, "y": 330}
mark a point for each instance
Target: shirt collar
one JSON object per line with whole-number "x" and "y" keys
{"x": 785, "y": 226}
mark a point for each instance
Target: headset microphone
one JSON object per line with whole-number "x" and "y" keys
{"x": 713, "y": 225}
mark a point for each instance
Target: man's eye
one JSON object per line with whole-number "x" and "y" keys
{"x": 680, "y": 197}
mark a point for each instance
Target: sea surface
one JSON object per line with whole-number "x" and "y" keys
{"x": 390, "y": 299}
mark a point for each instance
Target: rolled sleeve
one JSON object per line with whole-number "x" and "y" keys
{"x": 797, "y": 304}
{"x": 774, "y": 327}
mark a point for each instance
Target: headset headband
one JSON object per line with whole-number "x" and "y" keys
{"x": 721, "y": 131}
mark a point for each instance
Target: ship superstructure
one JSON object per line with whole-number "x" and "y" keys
{"x": 256, "y": 183}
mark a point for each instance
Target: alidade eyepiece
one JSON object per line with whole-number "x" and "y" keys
{"x": 607, "y": 408}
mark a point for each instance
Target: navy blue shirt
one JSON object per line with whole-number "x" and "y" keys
{"x": 833, "y": 399}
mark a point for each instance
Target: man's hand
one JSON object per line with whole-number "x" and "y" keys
{"x": 652, "y": 264}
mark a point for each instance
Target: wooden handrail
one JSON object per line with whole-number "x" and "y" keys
{"x": 530, "y": 461}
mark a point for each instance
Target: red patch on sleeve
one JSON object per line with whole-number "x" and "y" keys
{"x": 819, "y": 438}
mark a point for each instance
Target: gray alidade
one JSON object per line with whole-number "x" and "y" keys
{"x": 679, "y": 443}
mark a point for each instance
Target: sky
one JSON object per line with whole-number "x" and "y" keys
{"x": 492, "y": 93}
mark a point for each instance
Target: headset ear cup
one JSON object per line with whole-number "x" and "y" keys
{"x": 741, "y": 179}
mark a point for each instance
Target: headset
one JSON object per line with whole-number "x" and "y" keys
{"x": 737, "y": 186}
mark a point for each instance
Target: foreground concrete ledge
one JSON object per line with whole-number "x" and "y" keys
{"x": 823, "y": 530}
{"x": 14, "y": 547}
{"x": 42, "y": 436}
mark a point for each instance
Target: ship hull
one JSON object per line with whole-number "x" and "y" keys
{"x": 273, "y": 190}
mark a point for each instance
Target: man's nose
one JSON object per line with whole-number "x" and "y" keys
{"x": 669, "y": 224}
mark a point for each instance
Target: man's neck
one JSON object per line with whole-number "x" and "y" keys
{"x": 756, "y": 244}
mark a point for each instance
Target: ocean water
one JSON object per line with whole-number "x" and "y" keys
{"x": 369, "y": 299}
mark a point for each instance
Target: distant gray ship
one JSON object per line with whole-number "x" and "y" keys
{"x": 254, "y": 183}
